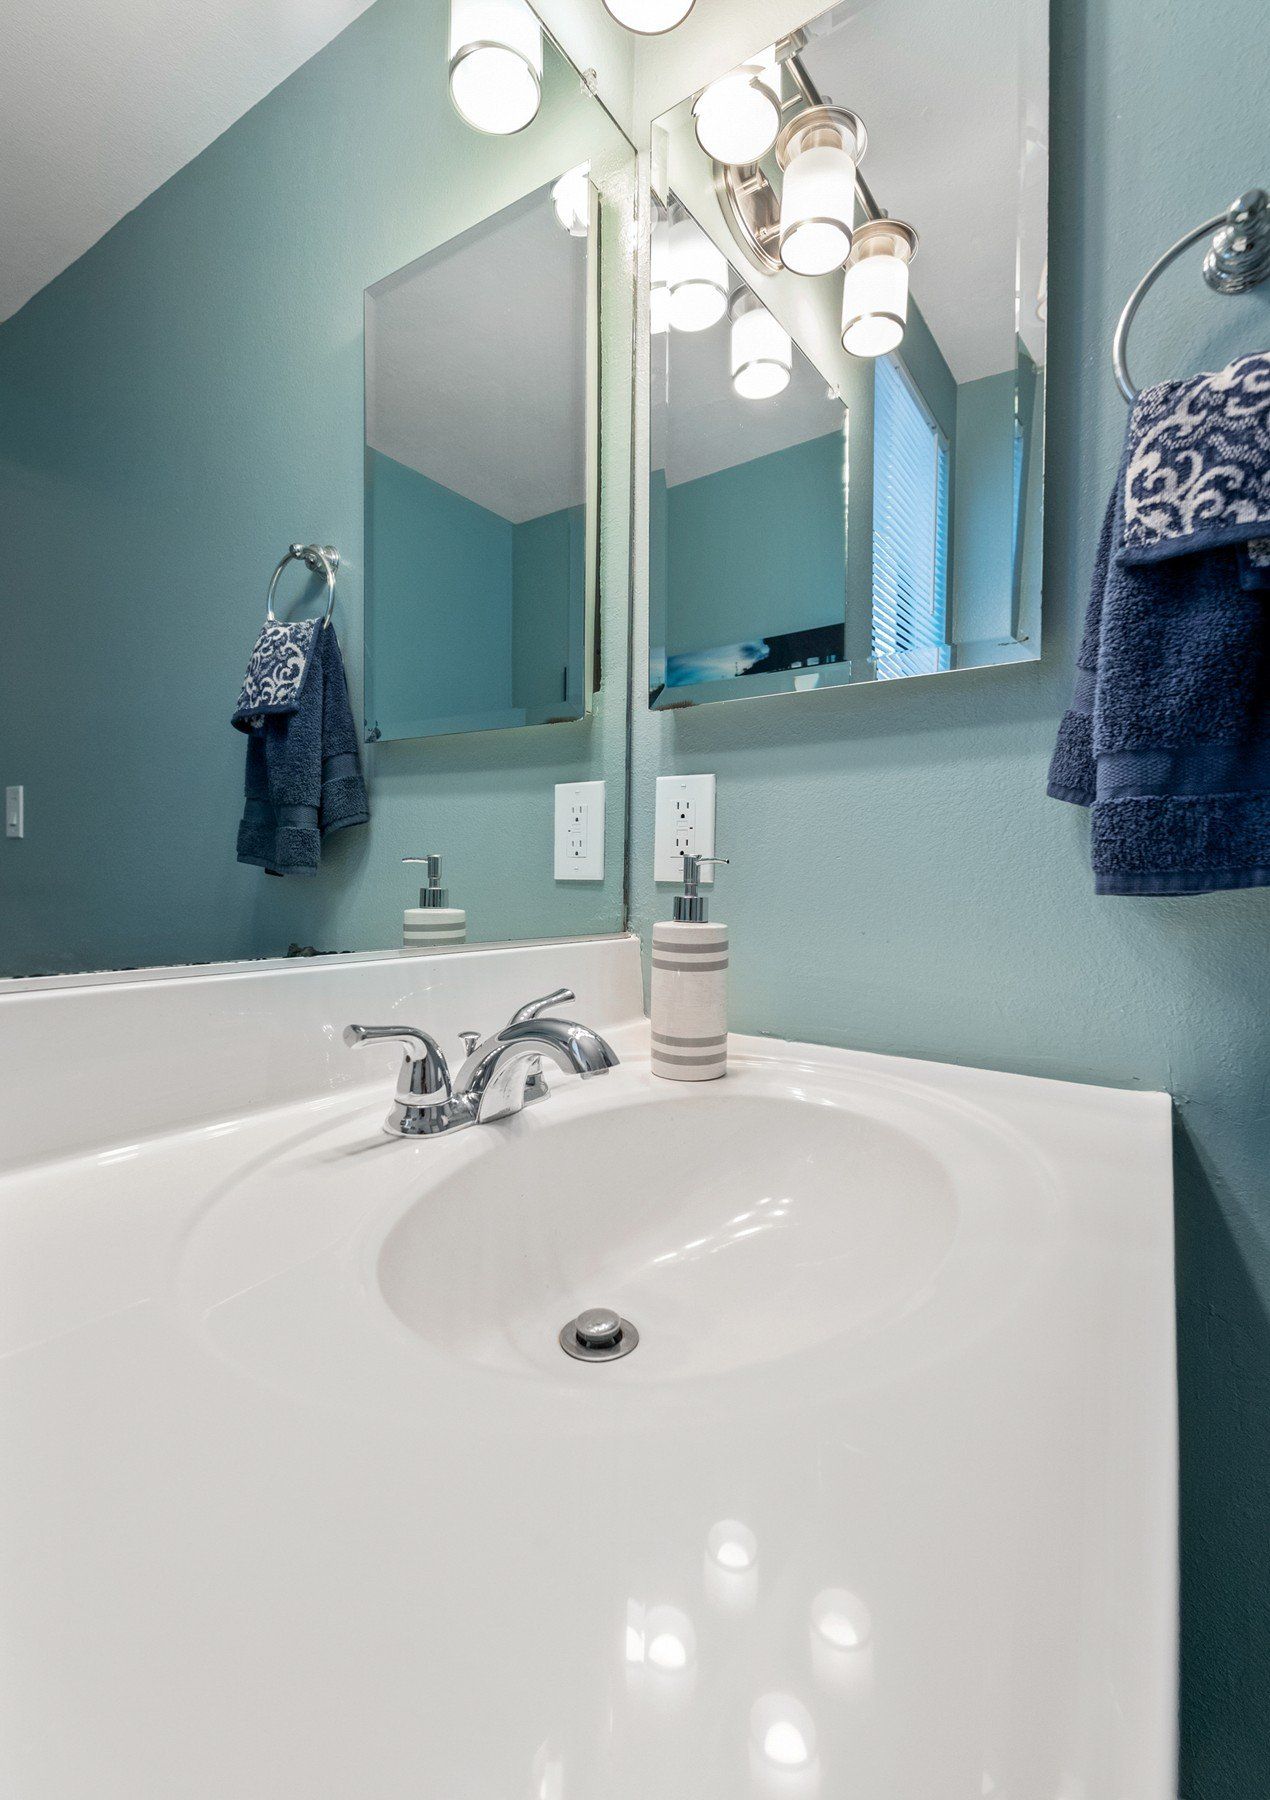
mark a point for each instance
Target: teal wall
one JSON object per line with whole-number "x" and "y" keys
{"x": 730, "y": 574}
{"x": 518, "y": 592}
{"x": 178, "y": 406}
{"x": 435, "y": 557}
{"x": 943, "y": 906}
{"x": 983, "y": 508}
{"x": 549, "y": 613}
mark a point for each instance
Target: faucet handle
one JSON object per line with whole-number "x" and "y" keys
{"x": 425, "y": 1074}
{"x": 532, "y": 1008}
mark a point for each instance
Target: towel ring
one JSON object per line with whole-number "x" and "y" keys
{"x": 1237, "y": 259}
{"x": 320, "y": 558}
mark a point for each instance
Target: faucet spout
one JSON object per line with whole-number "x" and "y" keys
{"x": 493, "y": 1079}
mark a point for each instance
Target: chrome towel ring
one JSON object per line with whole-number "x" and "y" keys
{"x": 321, "y": 559}
{"x": 1237, "y": 259}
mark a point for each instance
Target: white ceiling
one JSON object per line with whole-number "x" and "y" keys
{"x": 476, "y": 363}
{"x": 102, "y": 100}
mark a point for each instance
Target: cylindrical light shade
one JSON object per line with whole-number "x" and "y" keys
{"x": 698, "y": 278}
{"x": 649, "y": 17}
{"x": 818, "y": 152}
{"x": 738, "y": 116}
{"x": 495, "y": 64}
{"x": 875, "y": 288}
{"x": 659, "y": 289}
{"x": 762, "y": 356}
{"x": 571, "y": 198}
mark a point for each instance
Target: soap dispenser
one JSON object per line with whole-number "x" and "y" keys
{"x": 690, "y": 986}
{"x": 434, "y": 923}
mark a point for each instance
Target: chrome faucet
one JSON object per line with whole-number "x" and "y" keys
{"x": 501, "y": 1074}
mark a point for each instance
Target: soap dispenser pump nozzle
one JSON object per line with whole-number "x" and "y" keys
{"x": 691, "y": 907}
{"x": 434, "y": 894}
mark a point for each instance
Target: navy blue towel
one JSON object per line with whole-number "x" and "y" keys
{"x": 304, "y": 776}
{"x": 1167, "y": 738}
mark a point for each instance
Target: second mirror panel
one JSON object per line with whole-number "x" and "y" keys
{"x": 847, "y": 311}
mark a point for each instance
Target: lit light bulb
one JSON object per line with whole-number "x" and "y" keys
{"x": 495, "y": 64}
{"x": 762, "y": 355}
{"x": 649, "y": 17}
{"x": 738, "y": 116}
{"x": 698, "y": 278}
{"x": 571, "y": 198}
{"x": 875, "y": 288}
{"x": 818, "y": 153}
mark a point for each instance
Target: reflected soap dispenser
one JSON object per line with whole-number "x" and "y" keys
{"x": 690, "y": 986}
{"x": 433, "y": 924}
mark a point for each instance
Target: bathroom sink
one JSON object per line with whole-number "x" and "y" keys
{"x": 895, "y": 1443}
{"x": 734, "y": 1225}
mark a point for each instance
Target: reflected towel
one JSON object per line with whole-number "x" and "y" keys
{"x": 1167, "y": 738}
{"x": 304, "y": 777}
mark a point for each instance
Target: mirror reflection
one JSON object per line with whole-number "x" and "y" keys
{"x": 477, "y": 566}
{"x": 847, "y": 314}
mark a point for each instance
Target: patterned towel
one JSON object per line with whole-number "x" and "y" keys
{"x": 304, "y": 776}
{"x": 1167, "y": 738}
{"x": 1197, "y": 468}
{"x": 277, "y": 671}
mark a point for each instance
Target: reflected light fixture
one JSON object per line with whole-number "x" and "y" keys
{"x": 571, "y": 198}
{"x": 875, "y": 287}
{"x": 818, "y": 152}
{"x": 698, "y": 278}
{"x": 649, "y": 17}
{"x": 495, "y": 64}
{"x": 738, "y": 116}
{"x": 762, "y": 356}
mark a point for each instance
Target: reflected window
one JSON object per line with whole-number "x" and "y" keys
{"x": 910, "y": 529}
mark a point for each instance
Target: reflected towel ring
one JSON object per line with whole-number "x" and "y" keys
{"x": 321, "y": 559}
{"x": 1237, "y": 259}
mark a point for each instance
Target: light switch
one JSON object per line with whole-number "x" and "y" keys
{"x": 14, "y": 812}
{"x": 580, "y": 831}
{"x": 683, "y": 825}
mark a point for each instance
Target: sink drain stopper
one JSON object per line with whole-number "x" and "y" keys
{"x": 598, "y": 1335}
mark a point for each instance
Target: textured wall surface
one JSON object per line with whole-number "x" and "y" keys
{"x": 900, "y": 882}
{"x": 178, "y": 406}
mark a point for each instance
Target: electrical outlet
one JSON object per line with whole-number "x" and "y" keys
{"x": 684, "y": 824}
{"x": 580, "y": 831}
{"x": 14, "y": 812}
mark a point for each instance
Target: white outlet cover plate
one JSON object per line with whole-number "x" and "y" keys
{"x": 579, "y": 837}
{"x": 675, "y": 792}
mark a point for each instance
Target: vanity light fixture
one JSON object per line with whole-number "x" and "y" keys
{"x": 738, "y": 116}
{"x": 698, "y": 278}
{"x": 762, "y": 355}
{"x": 571, "y": 199}
{"x": 495, "y": 64}
{"x": 650, "y": 18}
{"x": 818, "y": 152}
{"x": 875, "y": 287}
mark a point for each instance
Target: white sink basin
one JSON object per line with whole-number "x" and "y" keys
{"x": 733, "y": 1225}
{"x": 881, "y": 1506}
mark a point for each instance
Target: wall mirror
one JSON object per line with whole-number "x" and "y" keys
{"x": 481, "y": 473}
{"x": 174, "y": 416}
{"x": 847, "y": 317}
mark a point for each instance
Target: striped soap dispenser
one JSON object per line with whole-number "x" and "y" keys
{"x": 690, "y": 986}
{"x": 434, "y": 924}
